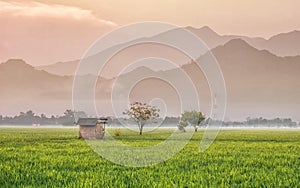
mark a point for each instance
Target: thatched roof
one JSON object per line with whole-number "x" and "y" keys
{"x": 87, "y": 121}
{"x": 90, "y": 121}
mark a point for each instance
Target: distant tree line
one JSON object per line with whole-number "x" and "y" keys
{"x": 30, "y": 118}
{"x": 69, "y": 117}
{"x": 249, "y": 122}
{"x": 262, "y": 122}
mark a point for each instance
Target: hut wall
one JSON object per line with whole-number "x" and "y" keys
{"x": 87, "y": 132}
{"x": 100, "y": 131}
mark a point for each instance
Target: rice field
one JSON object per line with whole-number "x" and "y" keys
{"x": 55, "y": 157}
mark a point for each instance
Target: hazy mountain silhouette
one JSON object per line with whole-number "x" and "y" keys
{"x": 67, "y": 68}
{"x": 258, "y": 83}
{"x": 16, "y": 72}
{"x": 23, "y": 87}
{"x": 284, "y": 44}
{"x": 213, "y": 39}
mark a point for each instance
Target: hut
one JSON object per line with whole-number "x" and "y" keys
{"x": 91, "y": 128}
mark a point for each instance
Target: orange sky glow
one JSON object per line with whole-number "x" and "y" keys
{"x": 48, "y": 31}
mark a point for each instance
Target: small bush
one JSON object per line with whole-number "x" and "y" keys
{"x": 117, "y": 132}
{"x": 181, "y": 126}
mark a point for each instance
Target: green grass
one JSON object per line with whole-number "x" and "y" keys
{"x": 55, "y": 157}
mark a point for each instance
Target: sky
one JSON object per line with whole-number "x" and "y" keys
{"x": 49, "y": 31}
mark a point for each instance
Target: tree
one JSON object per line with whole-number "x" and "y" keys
{"x": 29, "y": 113}
{"x": 181, "y": 126}
{"x": 67, "y": 118}
{"x": 141, "y": 113}
{"x": 193, "y": 117}
{"x": 69, "y": 113}
{"x": 79, "y": 114}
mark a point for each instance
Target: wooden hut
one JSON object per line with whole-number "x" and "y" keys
{"x": 91, "y": 128}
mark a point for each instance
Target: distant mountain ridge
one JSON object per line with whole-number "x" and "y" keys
{"x": 284, "y": 44}
{"x": 25, "y": 87}
{"x": 258, "y": 83}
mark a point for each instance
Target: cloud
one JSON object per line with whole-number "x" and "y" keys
{"x": 35, "y": 9}
{"x": 47, "y": 33}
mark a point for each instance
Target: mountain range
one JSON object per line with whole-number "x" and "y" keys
{"x": 258, "y": 83}
{"x": 283, "y": 44}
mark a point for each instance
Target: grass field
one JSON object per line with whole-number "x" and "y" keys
{"x": 55, "y": 157}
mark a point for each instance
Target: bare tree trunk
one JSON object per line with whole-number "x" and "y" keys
{"x": 141, "y": 125}
{"x": 140, "y": 128}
